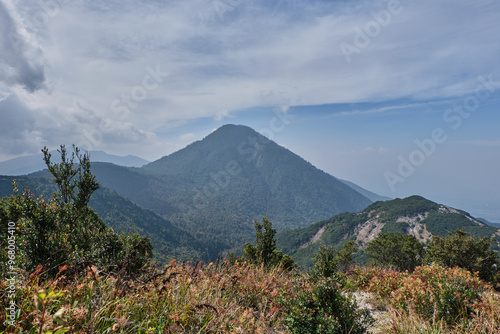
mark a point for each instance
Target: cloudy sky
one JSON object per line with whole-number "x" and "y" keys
{"x": 401, "y": 97}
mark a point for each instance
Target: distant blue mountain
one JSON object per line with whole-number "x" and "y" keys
{"x": 368, "y": 194}
{"x": 33, "y": 163}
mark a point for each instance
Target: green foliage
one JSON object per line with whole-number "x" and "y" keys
{"x": 344, "y": 256}
{"x": 264, "y": 252}
{"x": 433, "y": 292}
{"x": 404, "y": 252}
{"x": 410, "y": 206}
{"x": 126, "y": 217}
{"x": 463, "y": 250}
{"x": 395, "y": 228}
{"x": 63, "y": 230}
{"x": 327, "y": 262}
{"x": 439, "y": 223}
{"x": 324, "y": 309}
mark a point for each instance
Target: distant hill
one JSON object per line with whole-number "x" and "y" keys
{"x": 124, "y": 216}
{"x": 368, "y": 194}
{"x": 413, "y": 215}
{"x": 216, "y": 187}
{"x": 33, "y": 163}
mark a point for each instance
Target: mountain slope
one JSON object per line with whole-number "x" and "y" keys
{"x": 122, "y": 215}
{"x": 413, "y": 215}
{"x": 368, "y": 194}
{"x": 220, "y": 184}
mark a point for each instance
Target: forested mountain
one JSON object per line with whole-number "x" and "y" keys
{"x": 216, "y": 187}
{"x": 413, "y": 215}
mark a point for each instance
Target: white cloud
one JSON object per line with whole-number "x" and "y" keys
{"x": 252, "y": 53}
{"x": 21, "y": 61}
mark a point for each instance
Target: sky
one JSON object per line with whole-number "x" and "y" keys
{"x": 400, "y": 97}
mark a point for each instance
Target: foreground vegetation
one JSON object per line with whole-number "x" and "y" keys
{"x": 241, "y": 298}
{"x": 215, "y": 298}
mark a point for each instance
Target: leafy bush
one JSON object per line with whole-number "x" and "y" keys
{"x": 404, "y": 252}
{"x": 433, "y": 292}
{"x": 328, "y": 262}
{"x": 463, "y": 250}
{"x": 322, "y": 308}
{"x": 325, "y": 264}
{"x": 381, "y": 281}
{"x": 445, "y": 293}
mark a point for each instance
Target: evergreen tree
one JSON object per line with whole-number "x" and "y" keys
{"x": 264, "y": 250}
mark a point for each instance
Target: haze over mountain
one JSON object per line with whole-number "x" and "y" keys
{"x": 33, "y": 163}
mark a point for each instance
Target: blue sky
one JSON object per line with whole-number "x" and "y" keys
{"x": 358, "y": 84}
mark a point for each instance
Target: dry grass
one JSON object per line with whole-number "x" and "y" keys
{"x": 215, "y": 298}
{"x": 225, "y": 298}
{"x": 434, "y": 300}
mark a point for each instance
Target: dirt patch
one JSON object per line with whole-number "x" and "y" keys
{"x": 369, "y": 301}
{"x": 315, "y": 237}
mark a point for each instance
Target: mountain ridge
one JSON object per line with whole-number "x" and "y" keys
{"x": 413, "y": 215}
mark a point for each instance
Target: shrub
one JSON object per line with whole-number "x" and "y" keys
{"x": 444, "y": 293}
{"x": 403, "y": 252}
{"x": 432, "y": 292}
{"x": 322, "y": 308}
{"x": 328, "y": 262}
{"x": 463, "y": 250}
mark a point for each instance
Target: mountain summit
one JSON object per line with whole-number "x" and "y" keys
{"x": 238, "y": 164}
{"x": 217, "y": 186}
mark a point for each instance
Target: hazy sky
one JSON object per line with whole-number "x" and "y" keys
{"x": 401, "y": 97}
